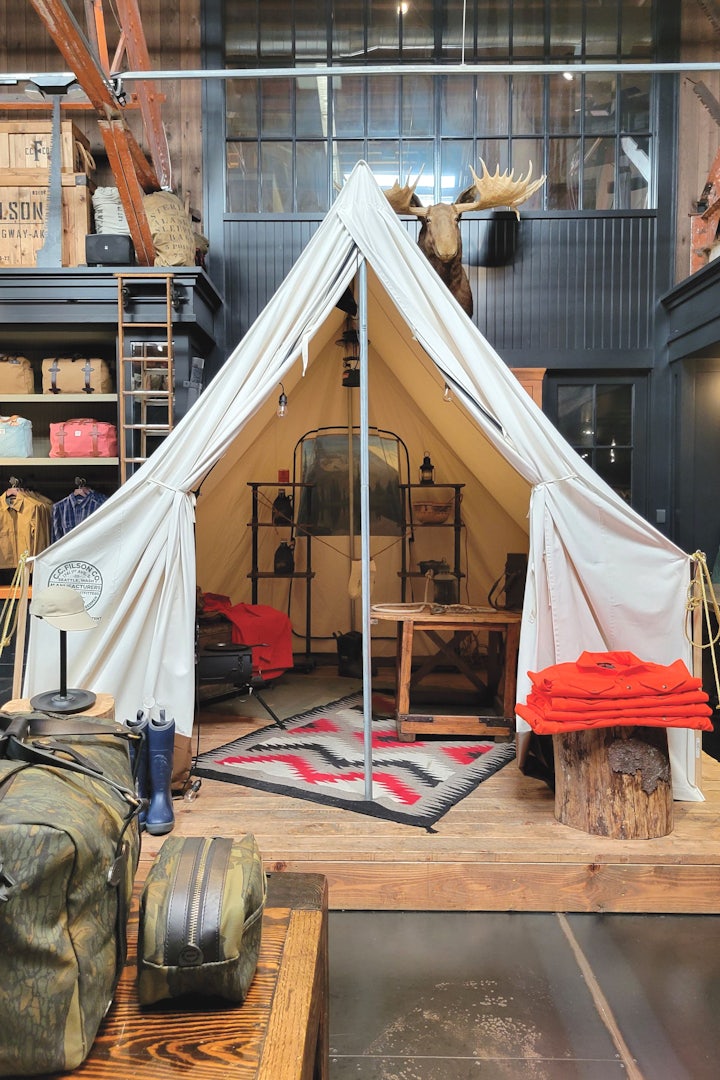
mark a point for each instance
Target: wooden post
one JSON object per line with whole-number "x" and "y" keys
{"x": 614, "y": 782}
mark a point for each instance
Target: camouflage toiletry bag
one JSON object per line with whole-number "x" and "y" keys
{"x": 201, "y": 919}
{"x": 69, "y": 846}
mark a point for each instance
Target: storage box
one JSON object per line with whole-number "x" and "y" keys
{"x": 25, "y": 144}
{"x": 23, "y": 210}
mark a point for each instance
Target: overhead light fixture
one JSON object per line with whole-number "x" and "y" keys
{"x": 282, "y": 404}
{"x": 350, "y": 344}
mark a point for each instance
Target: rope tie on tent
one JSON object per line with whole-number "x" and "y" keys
{"x": 703, "y": 579}
{"x": 557, "y": 480}
{"x": 9, "y": 616}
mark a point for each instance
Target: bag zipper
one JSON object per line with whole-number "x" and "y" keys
{"x": 195, "y": 905}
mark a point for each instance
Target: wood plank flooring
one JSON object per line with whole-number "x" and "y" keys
{"x": 500, "y": 849}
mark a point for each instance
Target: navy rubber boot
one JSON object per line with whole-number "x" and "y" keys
{"x": 139, "y": 761}
{"x": 160, "y": 816}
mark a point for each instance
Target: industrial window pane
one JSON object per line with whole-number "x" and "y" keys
{"x": 240, "y": 30}
{"x": 598, "y": 182}
{"x": 418, "y": 111}
{"x": 561, "y": 186}
{"x": 527, "y": 104}
{"x": 633, "y": 174}
{"x": 528, "y": 31}
{"x": 383, "y": 157}
{"x": 242, "y": 178}
{"x": 576, "y": 414}
{"x": 635, "y": 102}
{"x": 564, "y": 105}
{"x": 457, "y": 94}
{"x": 493, "y": 28}
{"x": 613, "y": 415}
{"x": 383, "y": 31}
{"x": 276, "y": 178}
{"x": 565, "y": 27}
{"x": 384, "y": 105}
{"x": 348, "y": 31}
{"x": 636, "y": 31}
{"x": 599, "y": 104}
{"x": 310, "y": 32}
{"x": 527, "y": 153}
{"x": 276, "y": 107}
{"x": 311, "y": 169}
{"x": 275, "y": 22}
{"x": 346, "y": 154}
{"x": 615, "y": 467}
{"x": 601, "y": 28}
{"x": 416, "y": 30}
{"x": 493, "y": 105}
{"x": 456, "y": 157}
{"x": 494, "y": 152}
{"x": 414, "y": 157}
{"x": 241, "y": 108}
{"x": 348, "y": 105}
{"x": 311, "y": 108}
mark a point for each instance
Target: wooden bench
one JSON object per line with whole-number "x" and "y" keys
{"x": 280, "y": 1032}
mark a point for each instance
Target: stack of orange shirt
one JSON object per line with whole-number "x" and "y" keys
{"x": 612, "y": 689}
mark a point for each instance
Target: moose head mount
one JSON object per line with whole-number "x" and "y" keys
{"x": 440, "y": 239}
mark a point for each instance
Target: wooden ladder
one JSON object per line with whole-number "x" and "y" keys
{"x": 145, "y": 372}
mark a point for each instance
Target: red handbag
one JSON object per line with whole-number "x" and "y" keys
{"x": 83, "y": 438}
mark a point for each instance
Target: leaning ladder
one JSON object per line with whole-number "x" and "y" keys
{"x": 145, "y": 366}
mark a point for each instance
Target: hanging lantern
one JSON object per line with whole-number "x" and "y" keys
{"x": 350, "y": 345}
{"x": 427, "y": 470}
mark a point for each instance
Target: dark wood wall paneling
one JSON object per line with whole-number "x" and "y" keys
{"x": 576, "y": 287}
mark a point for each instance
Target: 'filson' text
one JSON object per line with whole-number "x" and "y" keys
{"x": 22, "y": 210}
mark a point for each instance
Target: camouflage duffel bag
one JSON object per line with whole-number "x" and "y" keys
{"x": 69, "y": 846}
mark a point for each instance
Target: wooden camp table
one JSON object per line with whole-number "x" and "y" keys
{"x": 280, "y": 1032}
{"x": 503, "y": 629}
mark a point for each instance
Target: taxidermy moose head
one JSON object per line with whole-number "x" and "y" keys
{"x": 440, "y": 239}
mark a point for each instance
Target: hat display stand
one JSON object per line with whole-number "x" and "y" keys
{"x": 63, "y": 700}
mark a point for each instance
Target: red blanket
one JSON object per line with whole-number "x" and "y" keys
{"x": 265, "y": 628}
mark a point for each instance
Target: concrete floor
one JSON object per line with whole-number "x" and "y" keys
{"x": 487, "y": 996}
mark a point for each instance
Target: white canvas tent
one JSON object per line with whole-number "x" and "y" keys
{"x": 600, "y": 577}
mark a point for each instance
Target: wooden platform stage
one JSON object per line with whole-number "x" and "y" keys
{"x": 500, "y": 849}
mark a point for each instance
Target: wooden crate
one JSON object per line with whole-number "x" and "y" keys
{"x": 25, "y": 144}
{"x": 23, "y": 209}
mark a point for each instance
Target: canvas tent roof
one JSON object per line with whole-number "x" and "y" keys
{"x": 600, "y": 577}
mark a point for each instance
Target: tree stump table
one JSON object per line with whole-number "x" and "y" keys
{"x": 614, "y": 781}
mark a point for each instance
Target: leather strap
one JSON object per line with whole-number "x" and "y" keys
{"x": 53, "y": 369}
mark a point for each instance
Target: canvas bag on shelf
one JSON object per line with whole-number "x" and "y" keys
{"x": 76, "y": 375}
{"x": 69, "y": 847}
{"x": 15, "y": 437}
{"x": 16, "y": 375}
{"x": 83, "y": 437}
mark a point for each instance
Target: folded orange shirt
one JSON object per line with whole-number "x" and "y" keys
{"x": 615, "y": 689}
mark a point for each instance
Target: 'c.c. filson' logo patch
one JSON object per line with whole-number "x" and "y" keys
{"x": 82, "y": 576}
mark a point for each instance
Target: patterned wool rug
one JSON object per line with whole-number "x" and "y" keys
{"x": 319, "y": 756}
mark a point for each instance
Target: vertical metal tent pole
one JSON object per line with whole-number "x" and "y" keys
{"x": 365, "y": 528}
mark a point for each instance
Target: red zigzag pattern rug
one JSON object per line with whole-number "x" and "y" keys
{"x": 319, "y": 756}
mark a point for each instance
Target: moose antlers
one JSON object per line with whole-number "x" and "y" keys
{"x": 488, "y": 190}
